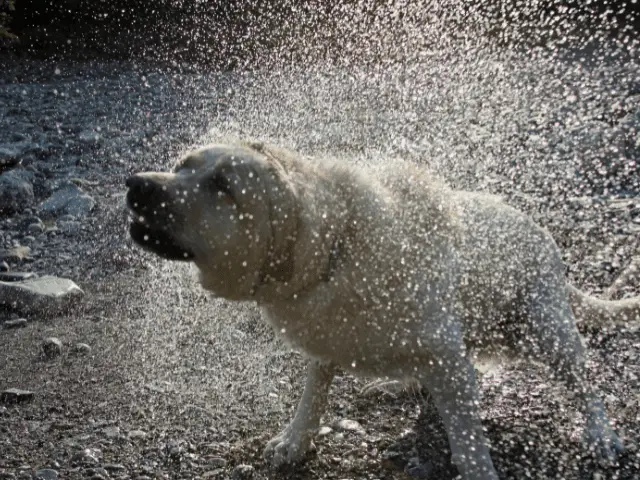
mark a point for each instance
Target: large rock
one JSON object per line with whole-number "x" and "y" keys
{"x": 42, "y": 295}
{"x": 16, "y": 192}
{"x": 67, "y": 200}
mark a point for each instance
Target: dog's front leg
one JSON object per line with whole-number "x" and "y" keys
{"x": 293, "y": 442}
{"x": 450, "y": 378}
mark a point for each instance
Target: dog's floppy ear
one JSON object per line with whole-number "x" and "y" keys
{"x": 283, "y": 218}
{"x": 280, "y": 265}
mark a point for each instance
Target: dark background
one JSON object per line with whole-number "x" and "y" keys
{"x": 232, "y": 32}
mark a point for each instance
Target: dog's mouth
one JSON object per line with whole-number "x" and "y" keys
{"x": 157, "y": 240}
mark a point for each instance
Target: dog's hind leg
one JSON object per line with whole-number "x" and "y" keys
{"x": 449, "y": 376}
{"x": 557, "y": 343}
{"x": 291, "y": 445}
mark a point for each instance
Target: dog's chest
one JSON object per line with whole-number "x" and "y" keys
{"x": 359, "y": 331}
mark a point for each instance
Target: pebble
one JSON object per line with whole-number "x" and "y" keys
{"x": 15, "y": 254}
{"x": 216, "y": 462}
{"x": 17, "y": 323}
{"x": 324, "y": 430}
{"x": 80, "y": 349}
{"x": 96, "y": 473}
{"x": 111, "y": 432}
{"x": 51, "y": 347}
{"x": 114, "y": 467}
{"x": 4, "y": 266}
{"x": 88, "y": 456}
{"x": 217, "y": 473}
{"x": 137, "y": 434}
{"x": 15, "y": 395}
{"x": 16, "y": 276}
{"x": 46, "y": 474}
{"x": 243, "y": 472}
{"x": 45, "y": 295}
{"x": 349, "y": 426}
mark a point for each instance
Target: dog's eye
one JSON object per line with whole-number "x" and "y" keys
{"x": 222, "y": 186}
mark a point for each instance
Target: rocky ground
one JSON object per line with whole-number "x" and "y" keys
{"x": 143, "y": 376}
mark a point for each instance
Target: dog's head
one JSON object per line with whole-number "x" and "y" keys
{"x": 227, "y": 208}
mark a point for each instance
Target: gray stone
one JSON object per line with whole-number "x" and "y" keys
{"x": 16, "y": 323}
{"x": 71, "y": 228}
{"x": 137, "y": 434}
{"x": 15, "y": 395}
{"x": 90, "y": 138}
{"x": 88, "y": 456}
{"x": 10, "y": 153}
{"x": 46, "y": 474}
{"x": 81, "y": 349}
{"x": 27, "y": 221}
{"x": 111, "y": 432}
{"x": 15, "y": 254}
{"x": 4, "y": 266}
{"x": 217, "y": 462}
{"x": 44, "y": 295}
{"x": 67, "y": 200}
{"x": 51, "y": 347}
{"x": 114, "y": 467}
{"x": 349, "y": 426}
{"x": 243, "y": 472}
{"x": 16, "y": 276}
{"x": 16, "y": 192}
{"x": 36, "y": 228}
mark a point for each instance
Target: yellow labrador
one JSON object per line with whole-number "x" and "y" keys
{"x": 389, "y": 275}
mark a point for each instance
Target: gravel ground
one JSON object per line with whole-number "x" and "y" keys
{"x": 174, "y": 384}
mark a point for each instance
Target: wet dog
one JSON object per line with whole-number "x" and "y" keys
{"x": 381, "y": 274}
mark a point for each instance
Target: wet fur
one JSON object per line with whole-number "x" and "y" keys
{"x": 387, "y": 273}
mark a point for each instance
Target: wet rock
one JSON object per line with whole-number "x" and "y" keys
{"x": 45, "y": 295}
{"x": 69, "y": 200}
{"x": 51, "y": 347}
{"x": 15, "y": 395}
{"x": 36, "y": 228}
{"x": 15, "y": 254}
{"x": 114, "y": 467}
{"x": 80, "y": 349}
{"x": 97, "y": 473}
{"x": 10, "y": 155}
{"x": 136, "y": 434}
{"x": 16, "y": 276}
{"x": 111, "y": 432}
{"x": 4, "y": 266}
{"x": 417, "y": 469}
{"x": 16, "y": 323}
{"x": 216, "y": 462}
{"x": 243, "y": 472}
{"x": 16, "y": 192}
{"x": 349, "y": 426}
{"x": 46, "y": 474}
{"x": 217, "y": 473}
{"x": 88, "y": 456}
{"x": 70, "y": 228}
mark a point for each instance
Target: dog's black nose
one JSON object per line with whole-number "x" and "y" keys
{"x": 135, "y": 181}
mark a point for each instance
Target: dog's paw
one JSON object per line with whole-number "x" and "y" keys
{"x": 288, "y": 447}
{"x": 388, "y": 387}
{"x": 604, "y": 443}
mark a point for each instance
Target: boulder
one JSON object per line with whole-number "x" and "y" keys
{"x": 67, "y": 200}
{"x": 43, "y": 295}
{"x": 16, "y": 192}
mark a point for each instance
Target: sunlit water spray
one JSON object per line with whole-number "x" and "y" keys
{"x": 545, "y": 125}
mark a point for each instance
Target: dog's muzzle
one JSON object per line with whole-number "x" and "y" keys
{"x": 154, "y": 219}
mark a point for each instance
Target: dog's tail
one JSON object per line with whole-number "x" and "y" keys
{"x": 595, "y": 312}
